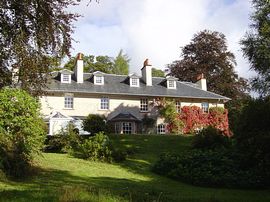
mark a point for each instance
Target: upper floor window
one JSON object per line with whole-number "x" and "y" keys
{"x": 171, "y": 84}
{"x": 205, "y": 107}
{"x": 99, "y": 80}
{"x": 144, "y": 105}
{"x": 134, "y": 82}
{"x": 68, "y": 102}
{"x": 178, "y": 106}
{"x": 65, "y": 76}
{"x": 104, "y": 103}
{"x": 161, "y": 129}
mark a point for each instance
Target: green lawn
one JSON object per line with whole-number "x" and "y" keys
{"x": 64, "y": 178}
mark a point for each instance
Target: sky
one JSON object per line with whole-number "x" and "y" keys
{"x": 157, "y": 29}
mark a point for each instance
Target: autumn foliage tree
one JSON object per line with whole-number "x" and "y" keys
{"x": 208, "y": 53}
{"x": 31, "y": 33}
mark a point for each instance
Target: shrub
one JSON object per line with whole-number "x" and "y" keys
{"x": 21, "y": 131}
{"x": 209, "y": 168}
{"x": 94, "y": 124}
{"x": 210, "y": 138}
{"x": 67, "y": 138}
{"x": 95, "y": 148}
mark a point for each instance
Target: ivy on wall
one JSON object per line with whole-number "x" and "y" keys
{"x": 192, "y": 118}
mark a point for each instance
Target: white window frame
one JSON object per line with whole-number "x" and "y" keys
{"x": 104, "y": 103}
{"x": 171, "y": 84}
{"x": 205, "y": 107}
{"x": 178, "y": 106}
{"x": 161, "y": 128}
{"x": 98, "y": 80}
{"x": 134, "y": 82}
{"x": 144, "y": 105}
{"x": 69, "y": 102}
{"x": 126, "y": 127}
{"x": 65, "y": 78}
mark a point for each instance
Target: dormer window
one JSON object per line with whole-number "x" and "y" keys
{"x": 134, "y": 80}
{"x": 66, "y": 76}
{"x": 98, "y": 78}
{"x": 171, "y": 82}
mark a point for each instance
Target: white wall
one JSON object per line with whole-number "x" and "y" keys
{"x": 90, "y": 104}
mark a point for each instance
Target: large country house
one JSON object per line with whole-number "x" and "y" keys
{"x": 123, "y": 100}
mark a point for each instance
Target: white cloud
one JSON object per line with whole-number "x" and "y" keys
{"x": 156, "y": 29}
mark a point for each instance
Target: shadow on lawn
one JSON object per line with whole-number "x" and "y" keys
{"x": 51, "y": 185}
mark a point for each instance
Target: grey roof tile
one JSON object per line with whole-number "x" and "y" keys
{"x": 117, "y": 85}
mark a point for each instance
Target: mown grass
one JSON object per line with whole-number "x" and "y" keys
{"x": 64, "y": 178}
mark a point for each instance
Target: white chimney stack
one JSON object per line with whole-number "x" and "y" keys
{"x": 79, "y": 68}
{"x": 201, "y": 81}
{"x": 147, "y": 73}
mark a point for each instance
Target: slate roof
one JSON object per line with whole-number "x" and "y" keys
{"x": 118, "y": 85}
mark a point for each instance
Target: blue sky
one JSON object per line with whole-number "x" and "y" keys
{"x": 156, "y": 29}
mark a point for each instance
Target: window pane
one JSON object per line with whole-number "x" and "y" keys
{"x": 161, "y": 129}
{"x": 99, "y": 79}
{"x": 69, "y": 102}
{"x": 144, "y": 105}
{"x": 134, "y": 82}
{"x": 65, "y": 77}
{"x": 178, "y": 106}
{"x": 205, "y": 107}
{"x": 171, "y": 84}
{"x": 104, "y": 103}
{"x": 127, "y": 127}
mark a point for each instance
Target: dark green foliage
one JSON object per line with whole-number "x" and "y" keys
{"x": 255, "y": 46}
{"x": 67, "y": 139}
{"x": 210, "y": 138}
{"x": 148, "y": 124}
{"x": 94, "y": 124}
{"x": 55, "y": 144}
{"x": 209, "y": 168}
{"x": 30, "y": 32}
{"x": 21, "y": 131}
{"x": 253, "y": 135}
{"x": 95, "y": 148}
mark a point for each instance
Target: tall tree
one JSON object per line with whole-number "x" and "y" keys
{"x": 31, "y": 32}
{"x": 256, "y": 46}
{"x": 207, "y": 53}
{"x": 157, "y": 72}
{"x": 121, "y": 64}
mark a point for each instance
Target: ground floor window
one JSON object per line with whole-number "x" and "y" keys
{"x": 127, "y": 127}
{"x": 161, "y": 129}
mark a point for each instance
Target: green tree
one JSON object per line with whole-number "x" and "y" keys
{"x": 255, "y": 46}
{"x": 121, "y": 64}
{"x": 94, "y": 124}
{"x": 30, "y": 32}
{"x": 157, "y": 72}
{"x": 207, "y": 53}
{"x": 88, "y": 60}
{"x": 21, "y": 131}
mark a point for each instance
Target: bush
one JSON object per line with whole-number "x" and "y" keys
{"x": 209, "y": 168}
{"x": 96, "y": 148}
{"x": 95, "y": 124}
{"x": 21, "y": 131}
{"x": 210, "y": 138}
{"x": 67, "y": 138}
